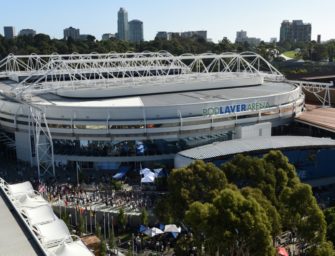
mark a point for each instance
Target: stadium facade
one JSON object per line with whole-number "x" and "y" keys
{"x": 105, "y": 110}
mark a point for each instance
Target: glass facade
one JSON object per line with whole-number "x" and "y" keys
{"x": 133, "y": 147}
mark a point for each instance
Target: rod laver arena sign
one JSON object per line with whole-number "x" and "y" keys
{"x": 221, "y": 110}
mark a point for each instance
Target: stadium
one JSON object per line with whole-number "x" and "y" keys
{"x": 109, "y": 110}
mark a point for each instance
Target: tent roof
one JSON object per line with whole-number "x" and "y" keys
{"x": 39, "y": 215}
{"x": 28, "y": 201}
{"x": 149, "y": 178}
{"x": 53, "y": 232}
{"x": 145, "y": 171}
{"x": 20, "y": 188}
{"x": 153, "y": 232}
{"x": 122, "y": 172}
{"x": 172, "y": 228}
{"x": 76, "y": 248}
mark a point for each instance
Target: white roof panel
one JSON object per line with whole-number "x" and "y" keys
{"x": 117, "y": 102}
{"x": 51, "y": 234}
{"x": 76, "y": 248}
{"x": 231, "y": 147}
{"x": 20, "y": 188}
{"x": 30, "y": 201}
{"x": 40, "y": 215}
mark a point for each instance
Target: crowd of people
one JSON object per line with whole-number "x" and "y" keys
{"x": 97, "y": 197}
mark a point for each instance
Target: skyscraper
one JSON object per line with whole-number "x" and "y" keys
{"x": 295, "y": 31}
{"x": 135, "y": 33}
{"x": 122, "y": 24}
{"x": 27, "y": 32}
{"x": 241, "y": 36}
{"x": 71, "y": 32}
{"x": 9, "y": 32}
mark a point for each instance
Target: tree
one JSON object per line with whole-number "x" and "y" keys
{"x": 302, "y": 214}
{"x": 103, "y": 247}
{"x": 246, "y": 203}
{"x": 122, "y": 219}
{"x": 197, "y": 182}
{"x": 330, "y": 219}
{"x": 276, "y": 178}
{"x": 81, "y": 227}
{"x": 271, "y": 211}
{"x": 324, "y": 249}
{"x": 112, "y": 242}
{"x": 144, "y": 217}
{"x": 98, "y": 232}
{"x": 235, "y": 225}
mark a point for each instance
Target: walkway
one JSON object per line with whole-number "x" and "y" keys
{"x": 13, "y": 241}
{"x": 323, "y": 118}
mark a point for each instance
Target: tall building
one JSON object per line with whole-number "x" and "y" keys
{"x": 273, "y": 40}
{"x": 285, "y": 31}
{"x": 27, "y": 32}
{"x": 241, "y": 36}
{"x": 85, "y": 37}
{"x": 199, "y": 34}
{"x": 188, "y": 34}
{"x": 74, "y": 33}
{"x": 9, "y": 32}
{"x": 319, "y": 39}
{"x": 295, "y": 31}
{"x": 107, "y": 36}
{"x": 162, "y": 35}
{"x": 135, "y": 33}
{"x": 122, "y": 24}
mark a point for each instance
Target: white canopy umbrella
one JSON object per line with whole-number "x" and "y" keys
{"x": 39, "y": 215}
{"x": 172, "y": 228}
{"x": 145, "y": 171}
{"x": 157, "y": 171}
{"x": 153, "y": 232}
{"x": 148, "y": 178}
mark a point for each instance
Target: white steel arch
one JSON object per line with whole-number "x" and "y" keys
{"x": 43, "y": 73}
{"x": 321, "y": 91}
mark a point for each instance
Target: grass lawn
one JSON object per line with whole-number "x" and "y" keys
{"x": 291, "y": 54}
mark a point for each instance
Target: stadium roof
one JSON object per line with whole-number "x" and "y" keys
{"x": 170, "y": 99}
{"x": 231, "y": 147}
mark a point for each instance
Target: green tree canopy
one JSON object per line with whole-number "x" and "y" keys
{"x": 197, "y": 182}
{"x": 235, "y": 225}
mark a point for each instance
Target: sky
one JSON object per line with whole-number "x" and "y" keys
{"x": 221, "y": 18}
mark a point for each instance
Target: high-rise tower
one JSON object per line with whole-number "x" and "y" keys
{"x": 122, "y": 24}
{"x": 135, "y": 31}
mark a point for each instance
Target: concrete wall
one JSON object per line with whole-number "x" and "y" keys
{"x": 23, "y": 146}
{"x": 251, "y": 131}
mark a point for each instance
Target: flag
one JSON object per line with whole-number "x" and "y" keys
{"x": 41, "y": 188}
